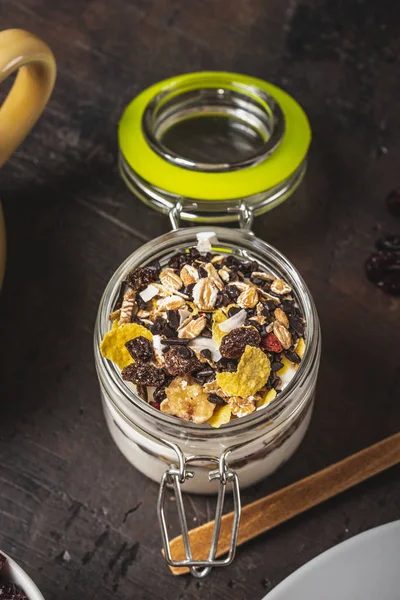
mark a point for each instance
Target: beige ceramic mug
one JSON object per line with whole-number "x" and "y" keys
{"x": 23, "y": 52}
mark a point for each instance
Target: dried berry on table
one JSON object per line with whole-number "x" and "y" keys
{"x": 234, "y": 343}
{"x": 393, "y": 203}
{"x": 383, "y": 269}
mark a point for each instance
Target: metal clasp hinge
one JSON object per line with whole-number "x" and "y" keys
{"x": 176, "y": 476}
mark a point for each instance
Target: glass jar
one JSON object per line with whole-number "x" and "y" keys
{"x": 270, "y": 135}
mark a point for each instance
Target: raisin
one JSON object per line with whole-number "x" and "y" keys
{"x": 206, "y": 353}
{"x": 389, "y": 242}
{"x": 227, "y": 365}
{"x": 181, "y": 360}
{"x": 271, "y": 343}
{"x": 178, "y": 260}
{"x": 142, "y": 373}
{"x": 223, "y": 299}
{"x": 393, "y": 203}
{"x": 143, "y": 276}
{"x": 161, "y": 327}
{"x": 234, "y": 343}
{"x": 173, "y": 318}
{"x": 215, "y": 399}
{"x": 383, "y": 269}
{"x": 233, "y": 310}
{"x": 140, "y": 348}
{"x": 276, "y": 366}
{"x": 293, "y": 357}
{"x": 232, "y": 292}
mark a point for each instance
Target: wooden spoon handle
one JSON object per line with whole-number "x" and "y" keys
{"x": 268, "y": 512}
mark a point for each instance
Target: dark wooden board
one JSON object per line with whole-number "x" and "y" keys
{"x": 64, "y": 487}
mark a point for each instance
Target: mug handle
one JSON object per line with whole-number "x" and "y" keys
{"x": 23, "y": 51}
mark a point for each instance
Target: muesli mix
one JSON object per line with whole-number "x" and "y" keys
{"x": 208, "y": 337}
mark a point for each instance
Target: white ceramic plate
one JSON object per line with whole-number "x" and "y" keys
{"x": 366, "y": 567}
{"x": 17, "y": 575}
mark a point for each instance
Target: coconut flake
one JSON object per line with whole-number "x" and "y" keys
{"x": 236, "y": 321}
{"x": 158, "y": 347}
{"x": 202, "y": 343}
{"x": 183, "y": 315}
{"x": 205, "y": 239}
{"x": 149, "y": 293}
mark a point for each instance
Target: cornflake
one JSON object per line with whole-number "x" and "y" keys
{"x": 113, "y": 344}
{"x": 252, "y": 373}
{"x": 221, "y": 416}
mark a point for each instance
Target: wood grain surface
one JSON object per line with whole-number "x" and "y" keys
{"x": 73, "y": 512}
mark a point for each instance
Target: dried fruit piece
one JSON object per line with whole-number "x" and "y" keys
{"x": 140, "y": 348}
{"x": 187, "y": 400}
{"x": 143, "y": 276}
{"x": 192, "y": 328}
{"x": 218, "y": 317}
{"x": 241, "y": 407}
{"x": 170, "y": 280}
{"x": 389, "y": 242}
{"x": 205, "y": 294}
{"x": 283, "y": 335}
{"x": 300, "y": 347}
{"x": 234, "y": 343}
{"x": 269, "y": 396}
{"x": 271, "y": 342}
{"x": 221, "y": 416}
{"x": 127, "y": 308}
{"x": 251, "y": 375}
{"x": 248, "y": 298}
{"x": 181, "y": 360}
{"x": 143, "y": 374}
{"x": 215, "y": 399}
{"x": 383, "y": 269}
{"x": 278, "y": 286}
{"x": 189, "y": 274}
{"x": 113, "y": 344}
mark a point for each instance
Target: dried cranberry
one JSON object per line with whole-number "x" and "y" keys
{"x": 389, "y": 242}
{"x": 393, "y": 203}
{"x": 155, "y": 405}
{"x": 140, "y": 348}
{"x": 271, "y": 343}
{"x": 181, "y": 360}
{"x": 383, "y": 269}
{"x": 234, "y": 343}
{"x": 215, "y": 399}
{"x": 143, "y": 373}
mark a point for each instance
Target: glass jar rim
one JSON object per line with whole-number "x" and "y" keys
{"x": 110, "y": 376}
{"x": 141, "y": 161}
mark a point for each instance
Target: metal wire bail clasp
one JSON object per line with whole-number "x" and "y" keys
{"x": 176, "y": 476}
